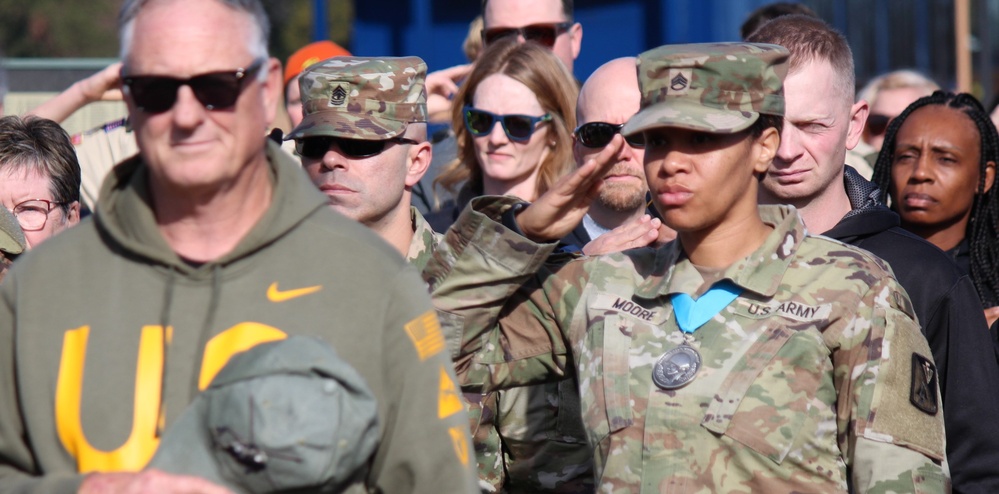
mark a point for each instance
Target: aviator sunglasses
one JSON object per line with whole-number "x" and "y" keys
{"x": 315, "y": 147}
{"x": 518, "y": 128}
{"x": 215, "y": 90}
{"x": 544, "y": 33}
{"x": 599, "y": 134}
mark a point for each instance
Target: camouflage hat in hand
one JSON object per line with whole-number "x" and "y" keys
{"x": 11, "y": 236}
{"x": 362, "y": 98}
{"x": 283, "y": 416}
{"x": 721, "y": 88}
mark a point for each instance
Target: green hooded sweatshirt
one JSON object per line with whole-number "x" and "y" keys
{"x": 83, "y": 384}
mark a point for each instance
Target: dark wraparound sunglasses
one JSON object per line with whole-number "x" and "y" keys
{"x": 544, "y": 34}
{"x": 599, "y": 134}
{"x": 315, "y": 147}
{"x": 215, "y": 90}
{"x": 518, "y": 128}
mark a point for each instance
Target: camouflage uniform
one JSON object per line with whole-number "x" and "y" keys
{"x": 526, "y": 439}
{"x": 816, "y": 378}
{"x": 818, "y": 321}
{"x": 529, "y": 439}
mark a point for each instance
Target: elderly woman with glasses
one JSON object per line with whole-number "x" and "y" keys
{"x": 513, "y": 121}
{"x": 39, "y": 177}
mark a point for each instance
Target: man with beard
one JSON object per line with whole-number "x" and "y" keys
{"x": 606, "y": 101}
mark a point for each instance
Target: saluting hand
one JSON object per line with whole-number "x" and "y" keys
{"x": 441, "y": 87}
{"x": 560, "y": 209}
{"x": 104, "y": 85}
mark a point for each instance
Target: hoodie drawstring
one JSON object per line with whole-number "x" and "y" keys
{"x": 165, "y": 324}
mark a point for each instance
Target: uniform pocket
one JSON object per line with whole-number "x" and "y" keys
{"x": 766, "y": 399}
{"x": 603, "y": 373}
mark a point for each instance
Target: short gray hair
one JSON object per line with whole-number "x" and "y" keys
{"x": 41, "y": 145}
{"x": 131, "y": 8}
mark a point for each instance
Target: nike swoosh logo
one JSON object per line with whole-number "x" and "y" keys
{"x": 275, "y": 295}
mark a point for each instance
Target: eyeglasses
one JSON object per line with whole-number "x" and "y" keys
{"x": 544, "y": 34}
{"x": 518, "y": 128}
{"x": 33, "y": 213}
{"x": 215, "y": 90}
{"x": 315, "y": 147}
{"x": 599, "y": 134}
{"x": 877, "y": 124}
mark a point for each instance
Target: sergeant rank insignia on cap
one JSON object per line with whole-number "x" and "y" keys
{"x": 338, "y": 97}
{"x": 679, "y": 82}
{"x": 923, "y": 393}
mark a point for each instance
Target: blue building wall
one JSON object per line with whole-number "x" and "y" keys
{"x": 435, "y": 29}
{"x": 884, "y": 34}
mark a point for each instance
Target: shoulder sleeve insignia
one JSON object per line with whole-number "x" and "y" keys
{"x": 923, "y": 392}
{"x": 425, "y": 333}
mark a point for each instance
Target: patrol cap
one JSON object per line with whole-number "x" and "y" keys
{"x": 11, "y": 236}
{"x": 362, "y": 98}
{"x": 720, "y": 88}
{"x": 281, "y": 416}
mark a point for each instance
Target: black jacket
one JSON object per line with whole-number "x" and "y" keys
{"x": 954, "y": 324}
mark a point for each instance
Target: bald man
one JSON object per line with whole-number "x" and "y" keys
{"x": 617, "y": 219}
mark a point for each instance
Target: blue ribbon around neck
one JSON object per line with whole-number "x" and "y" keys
{"x": 691, "y": 315}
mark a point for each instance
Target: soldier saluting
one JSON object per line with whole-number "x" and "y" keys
{"x": 708, "y": 392}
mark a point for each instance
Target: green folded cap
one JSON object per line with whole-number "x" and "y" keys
{"x": 283, "y": 416}
{"x": 11, "y": 236}
{"x": 721, "y": 88}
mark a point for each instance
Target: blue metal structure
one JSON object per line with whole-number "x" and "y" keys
{"x": 885, "y": 34}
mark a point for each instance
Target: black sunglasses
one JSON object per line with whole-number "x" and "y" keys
{"x": 315, "y": 147}
{"x": 877, "y": 124}
{"x": 518, "y": 128}
{"x": 215, "y": 90}
{"x": 599, "y": 134}
{"x": 544, "y": 34}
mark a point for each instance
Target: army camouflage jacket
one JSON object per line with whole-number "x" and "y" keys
{"x": 806, "y": 377}
{"x": 526, "y": 439}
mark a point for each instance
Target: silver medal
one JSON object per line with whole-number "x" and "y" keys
{"x": 676, "y": 367}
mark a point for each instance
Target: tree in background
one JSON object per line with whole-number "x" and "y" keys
{"x": 61, "y": 29}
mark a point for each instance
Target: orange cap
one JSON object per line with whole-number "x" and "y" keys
{"x": 310, "y": 54}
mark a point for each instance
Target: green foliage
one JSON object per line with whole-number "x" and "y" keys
{"x": 60, "y": 28}
{"x": 57, "y": 28}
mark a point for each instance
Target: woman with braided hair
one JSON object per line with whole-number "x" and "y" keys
{"x": 938, "y": 165}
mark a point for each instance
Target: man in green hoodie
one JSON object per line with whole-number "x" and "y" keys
{"x": 207, "y": 244}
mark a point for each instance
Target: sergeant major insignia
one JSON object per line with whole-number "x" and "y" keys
{"x": 338, "y": 97}
{"x": 923, "y": 392}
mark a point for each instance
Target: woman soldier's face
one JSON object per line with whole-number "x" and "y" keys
{"x": 935, "y": 170}
{"x": 701, "y": 181}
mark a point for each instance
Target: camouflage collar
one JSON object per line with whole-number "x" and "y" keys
{"x": 424, "y": 240}
{"x": 760, "y": 272}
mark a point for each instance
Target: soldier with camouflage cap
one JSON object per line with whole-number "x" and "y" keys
{"x": 747, "y": 355}
{"x": 363, "y": 141}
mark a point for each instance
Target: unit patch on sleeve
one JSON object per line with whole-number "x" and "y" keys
{"x": 448, "y": 401}
{"x": 923, "y": 392}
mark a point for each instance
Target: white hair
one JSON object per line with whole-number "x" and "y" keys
{"x": 253, "y": 8}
